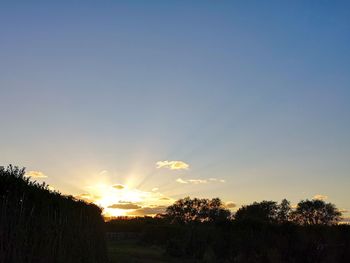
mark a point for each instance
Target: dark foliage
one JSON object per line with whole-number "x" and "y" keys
{"x": 38, "y": 225}
{"x": 264, "y": 212}
{"x": 261, "y": 233}
{"x": 189, "y": 210}
{"x": 315, "y": 212}
{"x": 308, "y": 212}
{"x": 243, "y": 241}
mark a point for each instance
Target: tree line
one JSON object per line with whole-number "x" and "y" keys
{"x": 39, "y": 225}
{"x": 204, "y": 230}
{"x": 307, "y": 212}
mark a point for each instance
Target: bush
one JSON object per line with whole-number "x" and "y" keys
{"x": 39, "y": 225}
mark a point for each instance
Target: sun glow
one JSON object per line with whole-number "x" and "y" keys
{"x": 120, "y": 200}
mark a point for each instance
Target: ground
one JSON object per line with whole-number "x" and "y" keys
{"x": 133, "y": 252}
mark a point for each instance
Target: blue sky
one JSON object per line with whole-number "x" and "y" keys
{"x": 255, "y": 94}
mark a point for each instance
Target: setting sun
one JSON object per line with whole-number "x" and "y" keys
{"x": 120, "y": 200}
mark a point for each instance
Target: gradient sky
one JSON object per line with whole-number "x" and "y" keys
{"x": 252, "y": 95}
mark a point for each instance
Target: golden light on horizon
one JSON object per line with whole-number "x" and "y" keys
{"x": 122, "y": 200}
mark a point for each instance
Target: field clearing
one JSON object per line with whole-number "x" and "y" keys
{"x": 132, "y": 252}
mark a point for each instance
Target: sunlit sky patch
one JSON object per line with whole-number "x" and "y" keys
{"x": 36, "y": 174}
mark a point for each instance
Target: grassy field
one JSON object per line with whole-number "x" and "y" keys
{"x": 132, "y": 252}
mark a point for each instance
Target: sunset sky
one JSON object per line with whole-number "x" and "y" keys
{"x": 134, "y": 104}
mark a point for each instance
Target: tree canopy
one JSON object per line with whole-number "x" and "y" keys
{"x": 307, "y": 212}
{"x": 188, "y": 210}
{"x": 315, "y": 212}
{"x": 265, "y": 211}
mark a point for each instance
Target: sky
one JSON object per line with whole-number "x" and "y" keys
{"x": 135, "y": 104}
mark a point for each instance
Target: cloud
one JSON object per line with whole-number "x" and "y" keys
{"x": 343, "y": 211}
{"x": 103, "y": 172}
{"x": 118, "y": 186}
{"x": 36, "y": 174}
{"x": 125, "y": 206}
{"x": 217, "y": 180}
{"x": 173, "y": 165}
{"x": 230, "y": 205}
{"x": 155, "y": 189}
{"x": 320, "y": 197}
{"x": 181, "y": 181}
{"x": 148, "y": 211}
{"x": 199, "y": 181}
{"x": 164, "y": 198}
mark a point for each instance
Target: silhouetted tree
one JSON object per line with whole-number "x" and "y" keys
{"x": 265, "y": 211}
{"x": 283, "y": 212}
{"x": 315, "y": 212}
{"x": 197, "y": 210}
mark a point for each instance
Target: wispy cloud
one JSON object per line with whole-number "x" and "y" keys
{"x": 103, "y": 172}
{"x": 164, "y": 199}
{"x": 320, "y": 197}
{"x": 172, "y": 165}
{"x": 181, "y": 181}
{"x": 199, "y": 181}
{"x": 126, "y": 206}
{"x": 217, "y": 180}
{"x": 118, "y": 186}
{"x": 155, "y": 189}
{"x": 36, "y": 174}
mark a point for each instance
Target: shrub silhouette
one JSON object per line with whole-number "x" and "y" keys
{"x": 39, "y": 225}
